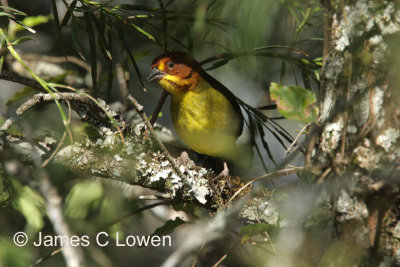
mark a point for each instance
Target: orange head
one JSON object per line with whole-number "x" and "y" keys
{"x": 176, "y": 72}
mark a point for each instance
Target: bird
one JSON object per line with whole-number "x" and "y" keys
{"x": 205, "y": 114}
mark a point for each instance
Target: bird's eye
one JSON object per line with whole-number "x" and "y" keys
{"x": 171, "y": 65}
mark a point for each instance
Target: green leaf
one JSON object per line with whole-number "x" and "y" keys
{"x": 138, "y": 8}
{"x": 82, "y": 198}
{"x": 1, "y": 62}
{"x": 35, "y": 20}
{"x": 136, "y": 67}
{"x": 169, "y": 227}
{"x": 5, "y": 14}
{"x": 93, "y": 54}
{"x": 13, "y": 11}
{"x": 148, "y": 35}
{"x": 57, "y": 25}
{"x": 100, "y": 25}
{"x": 4, "y": 194}
{"x": 22, "y": 39}
{"x": 294, "y": 102}
{"x": 254, "y": 229}
{"x": 39, "y": 80}
{"x": 75, "y": 39}
{"x": 30, "y": 204}
{"x": 22, "y": 25}
{"x": 69, "y": 13}
{"x": 110, "y": 76}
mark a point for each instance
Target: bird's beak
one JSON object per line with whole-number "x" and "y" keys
{"x": 156, "y": 74}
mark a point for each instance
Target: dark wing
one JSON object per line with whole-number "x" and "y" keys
{"x": 257, "y": 121}
{"x": 229, "y": 95}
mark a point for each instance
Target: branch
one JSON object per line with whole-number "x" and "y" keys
{"x": 90, "y": 110}
{"x": 14, "y": 77}
{"x": 139, "y": 109}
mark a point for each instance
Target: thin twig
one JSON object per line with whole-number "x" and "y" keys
{"x": 98, "y": 104}
{"x": 39, "y": 98}
{"x": 310, "y": 148}
{"x": 344, "y": 11}
{"x": 48, "y": 256}
{"x": 198, "y": 254}
{"x": 253, "y": 52}
{"x": 155, "y": 197}
{"x": 271, "y": 175}
{"x": 295, "y": 140}
{"x": 120, "y": 75}
{"x": 44, "y": 164}
{"x": 226, "y": 254}
{"x": 164, "y": 95}
{"x": 160, "y": 103}
{"x": 166, "y": 202}
{"x": 220, "y": 260}
{"x": 269, "y": 239}
{"x": 139, "y": 109}
{"x": 324, "y": 174}
{"x": 346, "y": 109}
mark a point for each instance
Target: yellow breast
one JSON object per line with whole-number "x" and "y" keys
{"x": 206, "y": 121}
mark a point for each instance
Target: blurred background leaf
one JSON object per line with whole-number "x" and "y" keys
{"x": 295, "y": 103}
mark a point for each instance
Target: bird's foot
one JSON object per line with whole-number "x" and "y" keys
{"x": 224, "y": 174}
{"x": 185, "y": 160}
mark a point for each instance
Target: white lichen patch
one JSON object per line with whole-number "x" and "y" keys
{"x": 377, "y": 106}
{"x": 327, "y": 105}
{"x": 331, "y": 135}
{"x": 83, "y": 155}
{"x": 200, "y": 188}
{"x": 117, "y": 157}
{"x": 359, "y": 86}
{"x": 193, "y": 185}
{"x": 129, "y": 148}
{"x": 377, "y": 99}
{"x": 150, "y": 169}
{"x": 359, "y": 19}
{"x": 350, "y": 207}
{"x": 385, "y": 22}
{"x": 376, "y": 39}
{"x": 396, "y": 230}
{"x": 387, "y": 138}
{"x": 162, "y": 174}
{"x": 117, "y": 172}
{"x": 341, "y": 36}
{"x": 264, "y": 210}
{"x": 362, "y": 111}
{"x": 352, "y": 129}
{"x": 354, "y": 25}
{"x": 334, "y": 68}
{"x": 365, "y": 159}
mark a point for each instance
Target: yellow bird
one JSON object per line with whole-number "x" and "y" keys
{"x": 205, "y": 114}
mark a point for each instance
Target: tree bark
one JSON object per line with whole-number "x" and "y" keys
{"x": 357, "y": 144}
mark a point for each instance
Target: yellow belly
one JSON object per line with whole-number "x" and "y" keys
{"x": 206, "y": 121}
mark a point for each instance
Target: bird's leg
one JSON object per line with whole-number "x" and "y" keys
{"x": 225, "y": 172}
{"x": 184, "y": 157}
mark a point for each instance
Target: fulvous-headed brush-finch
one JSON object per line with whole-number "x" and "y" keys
{"x": 205, "y": 114}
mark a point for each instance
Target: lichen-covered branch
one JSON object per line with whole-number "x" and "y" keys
{"x": 135, "y": 163}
